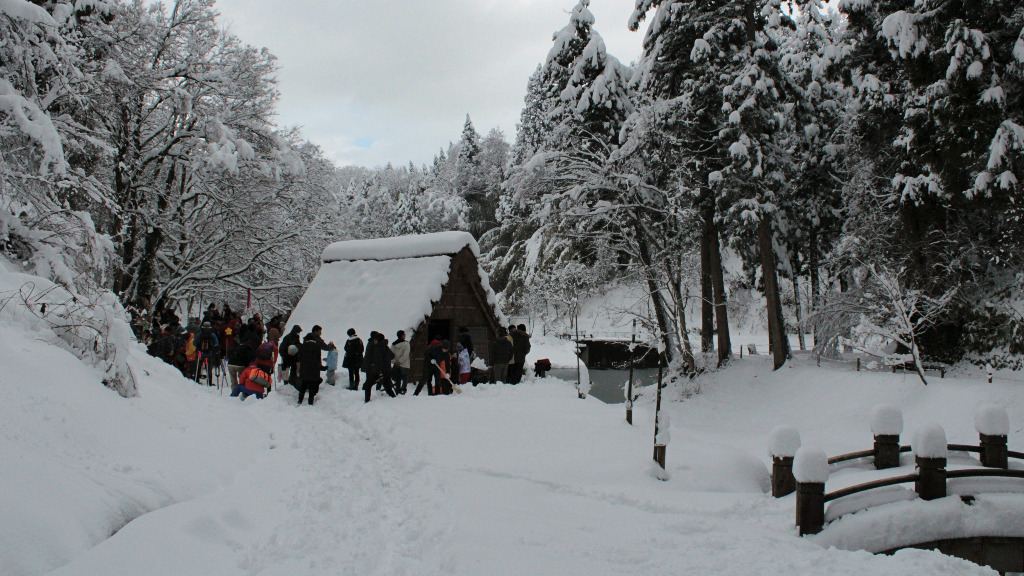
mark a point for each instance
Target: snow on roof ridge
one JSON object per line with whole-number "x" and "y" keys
{"x": 396, "y": 247}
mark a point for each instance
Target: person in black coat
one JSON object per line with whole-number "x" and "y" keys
{"x": 311, "y": 363}
{"x": 501, "y": 353}
{"x": 353, "y": 359}
{"x": 520, "y": 347}
{"x": 288, "y": 361}
{"x": 375, "y": 361}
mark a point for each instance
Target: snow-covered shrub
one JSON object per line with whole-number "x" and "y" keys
{"x": 93, "y": 327}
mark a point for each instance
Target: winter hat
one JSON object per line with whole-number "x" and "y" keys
{"x": 317, "y": 328}
{"x": 273, "y": 334}
{"x": 351, "y": 331}
{"x": 296, "y": 329}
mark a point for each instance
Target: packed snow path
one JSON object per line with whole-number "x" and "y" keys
{"x": 499, "y": 480}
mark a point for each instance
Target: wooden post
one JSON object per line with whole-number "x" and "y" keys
{"x": 783, "y": 482}
{"x": 629, "y": 385}
{"x": 994, "y": 452}
{"x": 887, "y": 451}
{"x": 657, "y": 410}
{"x": 858, "y": 364}
{"x": 810, "y": 507}
{"x": 741, "y": 351}
{"x": 578, "y": 392}
{"x": 931, "y": 483}
{"x": 659, "y": 455}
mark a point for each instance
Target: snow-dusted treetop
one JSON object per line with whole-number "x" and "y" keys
{"x": 411, "y": 246}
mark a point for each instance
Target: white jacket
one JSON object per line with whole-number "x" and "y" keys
{"x": 401, "y": 352}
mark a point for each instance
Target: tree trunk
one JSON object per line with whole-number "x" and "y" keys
{"x": 812, "y": 265}
{"x": 661, "y": 311}
{"x": 721, "y": 312}
{"x": 799, "y": 319}
{"x": 707, "y": 311}
{"x": 776, "y": 325}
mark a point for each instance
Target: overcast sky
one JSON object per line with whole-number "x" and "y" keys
{"x": 378, "y": 81}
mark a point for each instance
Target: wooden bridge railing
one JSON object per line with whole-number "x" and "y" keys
{"x": 808, "y": 480}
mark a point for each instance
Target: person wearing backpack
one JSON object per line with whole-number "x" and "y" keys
{"x": 254, "y": 380}
{"x": 267, "y": 353}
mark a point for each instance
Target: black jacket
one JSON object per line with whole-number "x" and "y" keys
{"x": 287, "y": 361}
{"x": 501, "y": 351}
{"x": 353, "y": 353}
{"x": 374, "y": 362}
{"x": 310, "y": 360}
{"x": 522, "y": 345}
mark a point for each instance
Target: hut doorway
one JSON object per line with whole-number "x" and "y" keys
{"x": 439, "y": 330}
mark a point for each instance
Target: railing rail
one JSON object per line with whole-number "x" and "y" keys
{"x": 849, "y": 491}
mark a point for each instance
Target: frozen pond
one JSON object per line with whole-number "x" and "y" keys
{"x": 607, "y": 385}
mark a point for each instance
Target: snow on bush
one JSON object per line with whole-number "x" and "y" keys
{"x": 930, "y": 442}
{"x": 991, "y": 420}
{"x": 886, "y": 420}
{"x": 810, "y": 465}
{"x": 784, "y": 442}
{"x": 93, "y": 326}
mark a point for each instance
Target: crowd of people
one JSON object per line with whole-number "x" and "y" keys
{"x": 251, "y": 350}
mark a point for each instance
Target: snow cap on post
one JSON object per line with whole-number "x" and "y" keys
{"x": 930, "y": 442}
{"x": 810, "y": 465}
{"x": 784, "y": 442}
{"x": 886, "y": 420}
{"x": 664, "y": 422}
{"x": 991, "y": 420}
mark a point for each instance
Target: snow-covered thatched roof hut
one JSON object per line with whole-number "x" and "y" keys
{"x": 428, "y": 285}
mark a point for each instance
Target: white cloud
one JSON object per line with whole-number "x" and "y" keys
{"x": 404, "y": 73}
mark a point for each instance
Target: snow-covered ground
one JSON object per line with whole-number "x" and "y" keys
{"x": 521, "y": 479}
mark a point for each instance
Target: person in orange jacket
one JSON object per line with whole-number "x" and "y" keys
{"x": 254, "y": 380}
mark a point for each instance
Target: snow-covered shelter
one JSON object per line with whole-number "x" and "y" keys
{"x": 428, "y": 285}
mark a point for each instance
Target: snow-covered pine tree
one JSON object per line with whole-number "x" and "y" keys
{"x": 941, "y": 88}
{"x": 721, "y": 60}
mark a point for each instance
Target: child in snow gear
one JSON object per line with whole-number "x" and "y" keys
{"x": 332, "y": 366}
{"x": 353, "y": 358}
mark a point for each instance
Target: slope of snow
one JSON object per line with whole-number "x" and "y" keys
{"x": 524, "y": 479}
